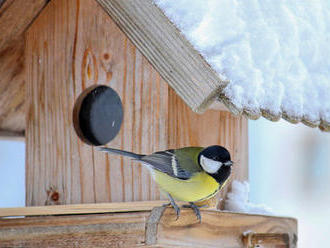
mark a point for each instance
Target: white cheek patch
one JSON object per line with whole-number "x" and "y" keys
{"x": 210, "y": 165}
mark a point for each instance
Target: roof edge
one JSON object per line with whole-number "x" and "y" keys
{"x": 165, "y": 47}
{"x": 254, "y": 115}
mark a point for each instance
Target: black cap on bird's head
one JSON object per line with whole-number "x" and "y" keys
{"x": 215, "y": 160}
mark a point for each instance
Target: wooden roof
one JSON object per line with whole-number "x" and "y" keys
{"x": 15, "y": 17}
{"x": 148, "y": 28}
{"x": 154, "y": 34}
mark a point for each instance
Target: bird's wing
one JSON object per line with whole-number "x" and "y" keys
{"x": 176, "y": 163}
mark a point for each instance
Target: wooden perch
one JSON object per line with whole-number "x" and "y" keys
{"x": 81, "y": 208}
{"x": 134, "y": 225}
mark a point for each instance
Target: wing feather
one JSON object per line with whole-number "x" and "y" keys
{"x": 170, "y": 162}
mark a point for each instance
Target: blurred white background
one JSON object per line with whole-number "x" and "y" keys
{"x": 289, "y": 172}
{"x": 12, "y": 173}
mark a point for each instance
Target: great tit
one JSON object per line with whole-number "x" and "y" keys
{"x": 190, "y": 174}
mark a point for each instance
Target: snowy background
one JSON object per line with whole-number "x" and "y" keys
{"x": 289, "y": 172}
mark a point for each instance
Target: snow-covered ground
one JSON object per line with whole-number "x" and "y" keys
{"x": 274, "y": 53}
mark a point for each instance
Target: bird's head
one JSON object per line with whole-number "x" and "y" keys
{"x": 215, "y": 160}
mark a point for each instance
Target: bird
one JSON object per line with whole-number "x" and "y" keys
{"x": 188, "y": 174}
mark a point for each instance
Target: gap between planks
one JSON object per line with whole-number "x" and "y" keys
{"x": 92, "y": 208}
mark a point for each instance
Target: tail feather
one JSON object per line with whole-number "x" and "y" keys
{"x": 120, "y": 152}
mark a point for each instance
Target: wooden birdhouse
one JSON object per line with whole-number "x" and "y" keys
{"x": 55, "y": 53}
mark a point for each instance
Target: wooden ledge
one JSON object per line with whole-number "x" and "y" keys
{"x": 137, "y": 224}
{"x": 93, "y": 208}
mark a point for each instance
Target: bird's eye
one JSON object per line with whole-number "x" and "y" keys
{"x": 209, "y": 165}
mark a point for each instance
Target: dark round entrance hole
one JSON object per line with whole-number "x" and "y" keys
{"x": 97, "y": 115}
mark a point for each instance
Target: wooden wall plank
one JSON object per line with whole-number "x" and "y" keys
{"x": 71, "y": 46}
{"x": 187, "y": 128}
{"x": 167, "y": 50}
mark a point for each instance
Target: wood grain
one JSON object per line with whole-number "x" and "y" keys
{"x": 15, "y": 17}
{"x": 81, "y": 208}
{"x": 12, "y": 88}
{"x": 218, "y": 229}
{"x": 277, "y": 240}
{"x": 95, "y": 51}
{"x": 71, "y": 46}
{"x": 187, "y": 128}
{"x": 106, "y": 230}
{"x": 217, "y": 105}
{"x": 167, "y": 50}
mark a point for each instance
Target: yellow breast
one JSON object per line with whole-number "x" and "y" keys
{"x": 200, "y": 187}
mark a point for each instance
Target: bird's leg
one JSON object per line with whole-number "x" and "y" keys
{"x": 174, "y": 205}
{"x": 196, "y": 210}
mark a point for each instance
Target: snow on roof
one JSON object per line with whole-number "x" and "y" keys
{"x": 274, "y": 53}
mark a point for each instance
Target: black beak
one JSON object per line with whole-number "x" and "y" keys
{"x": 228, "y": 163}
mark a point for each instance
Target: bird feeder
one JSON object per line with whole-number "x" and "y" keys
{"x": 116, "y": 73}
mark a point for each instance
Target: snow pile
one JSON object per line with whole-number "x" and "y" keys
{"x": 238, "y": 200}
{"x": 274, "y": 53}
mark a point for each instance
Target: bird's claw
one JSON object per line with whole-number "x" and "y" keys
{"x": 196, "y": 210}
{"x": 177, "y": 211}
{"x": 174, "y": 205}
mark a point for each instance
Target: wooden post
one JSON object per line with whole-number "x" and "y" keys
{"x": 71, "y": 46}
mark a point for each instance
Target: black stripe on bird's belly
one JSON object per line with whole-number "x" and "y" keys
{"x": 211, "y": 195}
{"x": 221, "y": 177}
{"x": 215, "y": 192}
